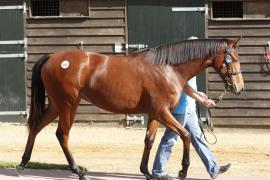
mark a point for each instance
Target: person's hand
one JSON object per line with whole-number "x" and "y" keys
{"x": 202, "y": 94}
{"x": 209, "y": 103}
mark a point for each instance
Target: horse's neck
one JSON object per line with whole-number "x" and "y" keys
{"x": 191, "y": 68}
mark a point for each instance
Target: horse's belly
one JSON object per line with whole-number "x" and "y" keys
{"x": 114, "y": 98}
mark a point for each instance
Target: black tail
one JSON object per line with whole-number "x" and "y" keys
{"x": 37, "y": 106}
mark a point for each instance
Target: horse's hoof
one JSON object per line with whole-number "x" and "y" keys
{"x": 146, "y": 173}
{"x": 19, "y": 170}
{"x": 148, "y": 177}
{"x": 84, "y": 177}
{"x": 182, "y": 175}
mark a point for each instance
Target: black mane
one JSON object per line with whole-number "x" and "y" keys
{"x": 183, "y": 51}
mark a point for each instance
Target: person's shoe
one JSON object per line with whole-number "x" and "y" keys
{"x": 164, "y": 177}
{"x": 222, "y": 169}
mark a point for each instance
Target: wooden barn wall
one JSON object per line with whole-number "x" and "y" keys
{"x": 99, "y": 32}
{"x": 251, "y": 107}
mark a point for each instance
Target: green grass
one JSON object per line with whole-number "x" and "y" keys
{"x": 5, "y": 164}
{"x": 37, "y": 165}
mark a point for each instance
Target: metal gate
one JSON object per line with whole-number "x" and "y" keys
{"x": 152, "y": 23}
{"x": 12, "y": 59}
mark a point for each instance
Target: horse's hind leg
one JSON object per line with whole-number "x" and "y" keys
{"x": 62, "y": 133}
{"x": 47, "y": 117}
{"x": 151, "y": 132}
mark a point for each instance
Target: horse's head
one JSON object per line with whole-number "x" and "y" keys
{"x": 228, "y": 66}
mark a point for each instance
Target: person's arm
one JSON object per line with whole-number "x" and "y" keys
{"x": 199, "y": 96}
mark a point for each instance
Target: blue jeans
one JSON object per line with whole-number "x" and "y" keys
{"x": 190, "y": 122}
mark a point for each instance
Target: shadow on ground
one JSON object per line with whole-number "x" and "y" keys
{"x": 40, "y": 174}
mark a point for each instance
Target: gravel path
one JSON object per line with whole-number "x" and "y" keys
{"x": 30, "y": 174}
{"x": 115, "y": 153}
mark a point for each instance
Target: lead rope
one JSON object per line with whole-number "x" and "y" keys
{"x": 209, "y": 123}
{"x": 209, "y": 128}
{"x": 211, "y": 132}
{"x": 220, "y": 98}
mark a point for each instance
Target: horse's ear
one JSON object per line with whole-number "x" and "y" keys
{"x": 234, "y": 42}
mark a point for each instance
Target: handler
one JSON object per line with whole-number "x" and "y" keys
{"x": 186, "y": 115}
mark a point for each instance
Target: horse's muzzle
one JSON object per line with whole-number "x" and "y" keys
{"x": 236, "y": 89}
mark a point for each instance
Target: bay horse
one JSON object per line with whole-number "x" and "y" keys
{"x": 148, "y": 81}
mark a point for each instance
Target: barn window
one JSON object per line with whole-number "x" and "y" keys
{"x": 59, "y": 8}
{"x": 45, "y": 7}
{"x": 227, "y": 9}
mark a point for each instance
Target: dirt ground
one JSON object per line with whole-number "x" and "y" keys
{"x": 119, "y": 150}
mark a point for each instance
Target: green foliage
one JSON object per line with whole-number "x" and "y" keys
{"x": 37, "y": 165}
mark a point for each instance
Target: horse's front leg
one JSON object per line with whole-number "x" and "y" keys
{"x": 186, "y": 157}
{"x": 166, "y": 118}
{"x": 151, "y": 132}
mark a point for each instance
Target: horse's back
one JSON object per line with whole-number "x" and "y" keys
{"x": 70, "y": 64}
